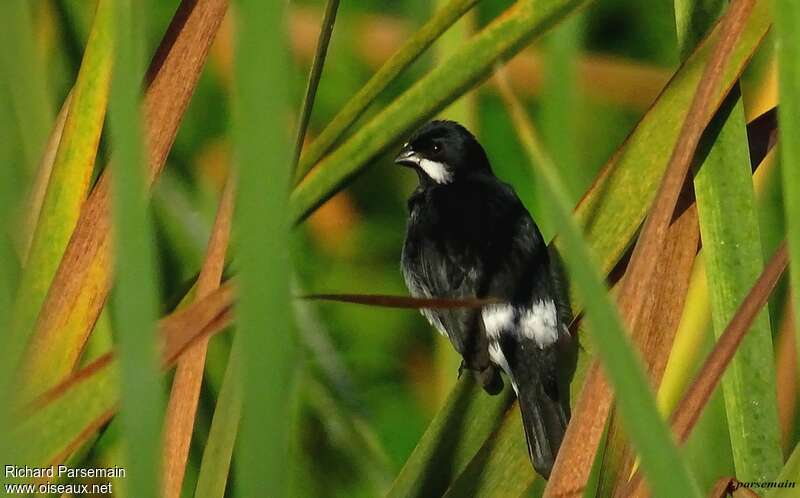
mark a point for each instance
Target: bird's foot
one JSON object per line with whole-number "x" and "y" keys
{"x": 489, "y": 378}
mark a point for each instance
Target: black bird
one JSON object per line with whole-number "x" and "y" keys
{"x": 468, "y": 235}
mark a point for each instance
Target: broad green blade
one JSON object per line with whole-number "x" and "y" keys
{"x": 136, "y": 294}
{"x": 787, "y": 27}
{"x": 264, "y": 310}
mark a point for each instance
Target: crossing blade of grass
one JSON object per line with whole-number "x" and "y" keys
{"x": 611, "y": 212}
{"x": 699, "y": 392}
{"x": 355, "y": 107}
{"x": 788, "y": 44}
{"x": 313, "y": 77}
{"x": 666, "y": 472}
{"x": 182, "y": 407}
{"x": 218, "y": 452}
{"x": 63, "y": 418}
{"x": 81, "y": 284}
{"x": 141, "y": 406}
{"x": 35, "y": 199}
{"x": 268, "y": 344}
{"x": 501, "y": 39}
{"x": 787, "y": 477}
{"x": 71, "y": 172}
{"x": 733, "y": 254}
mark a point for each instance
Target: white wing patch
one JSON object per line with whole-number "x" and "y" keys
{"x": 497, "y": 356}
{"x": 437, "y": 171}
{"x": 538, "y": 322}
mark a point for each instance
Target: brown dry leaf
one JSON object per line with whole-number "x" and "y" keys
{"x": 83, "y": 280}
{"x": 182, "y": 406}
{"x": 661, "y": 315}
{"x": 693, "y": 402}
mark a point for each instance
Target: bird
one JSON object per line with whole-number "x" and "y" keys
{"x": 468, "y": 235}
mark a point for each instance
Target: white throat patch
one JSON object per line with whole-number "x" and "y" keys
{"x": 437, "y": 171}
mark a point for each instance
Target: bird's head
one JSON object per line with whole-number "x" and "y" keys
{"x": 442, "y": 152}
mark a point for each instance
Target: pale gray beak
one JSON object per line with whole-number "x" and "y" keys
{"x": 407, "y": 157}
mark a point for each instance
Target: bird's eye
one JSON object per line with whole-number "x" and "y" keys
{"x": 436, "y": 148}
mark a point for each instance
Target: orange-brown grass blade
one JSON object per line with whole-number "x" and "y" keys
{"x": 83, "y": 279}
{"x": 573, "y": 464}
{"x": 658, "y": 323}
{"x": 76, "y": 408}
{"x": 182, "y": 406}
{"x": 403, "y": 302}
{"x": 693, "y": 402}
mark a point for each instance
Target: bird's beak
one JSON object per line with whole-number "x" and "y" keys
{"x": 407, "y": 157}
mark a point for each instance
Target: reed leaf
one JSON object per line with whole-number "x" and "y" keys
{"x": 182, "y": 406}
{"x": 786, "y": 27}
{"x": 71, "y": 172}
{"x": 218, "y": 452}
{"x": 141, "y": 408}
{"x": 264, "y": 313}
{"x": 313, "y": 78}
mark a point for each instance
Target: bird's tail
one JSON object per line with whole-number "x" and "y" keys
{"x": 545, "y": 421}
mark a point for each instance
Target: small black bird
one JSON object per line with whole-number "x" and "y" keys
{"x": 468, "y": 235}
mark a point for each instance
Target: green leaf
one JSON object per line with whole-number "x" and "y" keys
{"x": 732, "y": 248}
{"x": 136, "y": 294}
{"x": 788, "y": 43}
{"x": 450, "y": 441}
{"x": 314, "y": 76}
{"x": 788, "y": 477}
{"x": 501, "y": 39}
{"x": 70, "y": 177}
{"x": 264, "y": 310}
{"x": 217, "y": 454}
{"x": 355, "y": 107}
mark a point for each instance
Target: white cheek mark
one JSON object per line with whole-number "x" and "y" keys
{"x": 538, "y": 322}
{"x": 437, "y": 171}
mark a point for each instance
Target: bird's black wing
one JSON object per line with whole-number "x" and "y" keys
{"x": 442, "y": 258}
